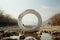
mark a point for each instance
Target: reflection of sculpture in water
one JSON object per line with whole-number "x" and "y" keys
{"x": 30, "y": 38}
{"x": 29, "y": 11}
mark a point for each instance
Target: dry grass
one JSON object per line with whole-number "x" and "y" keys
{"x": 49, "y": 27}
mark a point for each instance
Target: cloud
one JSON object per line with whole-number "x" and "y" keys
{"x": 45, "y": 7}
{"x": 51, "y": 8}
{"x": 48, "y": 11}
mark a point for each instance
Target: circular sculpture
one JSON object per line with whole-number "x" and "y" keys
{"x": 29, "y": 11}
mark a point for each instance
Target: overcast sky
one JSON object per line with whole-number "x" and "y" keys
{"x": 46, "y": 8}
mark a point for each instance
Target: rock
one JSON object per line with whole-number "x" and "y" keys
{"x": 6, "y": 34}
{"x": 22, "y": 37}
{"x": 14, "y": 33}
{"x": 11, "y": 39}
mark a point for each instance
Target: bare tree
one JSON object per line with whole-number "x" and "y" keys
{"x": 55, "y": 20}
{"x": 6, "y": 19}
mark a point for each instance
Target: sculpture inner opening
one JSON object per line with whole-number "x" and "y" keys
{"x": 29, "y": 21}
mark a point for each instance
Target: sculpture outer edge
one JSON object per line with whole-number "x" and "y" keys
{"x": 29, "y": 11}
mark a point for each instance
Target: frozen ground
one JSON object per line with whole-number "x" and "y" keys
{"x": 10, "y": 28}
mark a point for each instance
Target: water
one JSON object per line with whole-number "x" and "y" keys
{"x": 46, "y": 36}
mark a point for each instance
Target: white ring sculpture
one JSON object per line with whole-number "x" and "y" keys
{"x": 29, "y": 11}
